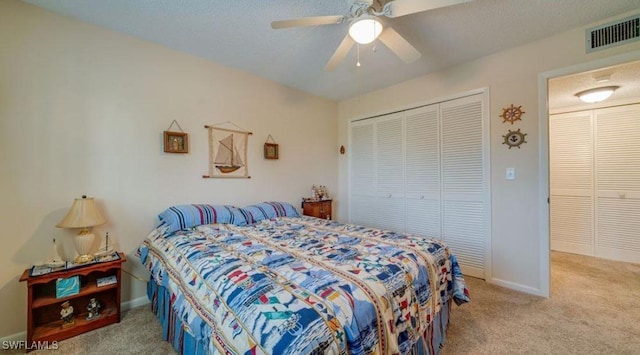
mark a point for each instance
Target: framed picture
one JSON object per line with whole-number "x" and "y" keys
{"x": 270, "y": 151}
{"x": 176, "y": 142}
{"x": 228, "y": 153}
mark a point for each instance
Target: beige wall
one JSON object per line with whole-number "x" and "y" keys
{"x": 517, "y": 250}
{"x": 82, "y": 111}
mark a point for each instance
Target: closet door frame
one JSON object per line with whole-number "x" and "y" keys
{"x": 486, "y": 156}
{"x": 544, "y": 261}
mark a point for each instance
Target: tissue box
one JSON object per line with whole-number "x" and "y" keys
{"x": 67, "y": 287}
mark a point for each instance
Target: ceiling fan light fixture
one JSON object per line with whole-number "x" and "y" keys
{"x": 365, "y": 29}
{"x": 596, "y": 95}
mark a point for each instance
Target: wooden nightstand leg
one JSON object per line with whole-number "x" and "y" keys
{"x": 119, "y": 277}
{"x": 29, "y": 315}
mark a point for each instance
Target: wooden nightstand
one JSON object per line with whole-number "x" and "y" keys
{"x": 43, "y": 308}
{"x": 319, "y": 209}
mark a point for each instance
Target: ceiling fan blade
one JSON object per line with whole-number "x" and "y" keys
{"x": 399, "y": 45}
{"x": 399, "y": 8}
{"x": 340, "y": 53}
{"x": 308, "y": 21}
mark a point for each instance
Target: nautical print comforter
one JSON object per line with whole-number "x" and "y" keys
{"x": 305, "y": 286}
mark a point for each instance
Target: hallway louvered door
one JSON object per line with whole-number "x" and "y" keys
{"x": 423, "y": 171}
{"x": 571, "y": 160}
{"x": 595, "y": 182}
{"x": 618, "y": 183}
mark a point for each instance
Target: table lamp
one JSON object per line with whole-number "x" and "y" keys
{"x": 83, "y": 214}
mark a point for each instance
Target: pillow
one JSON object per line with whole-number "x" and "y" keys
{"x": 186, "y": 216}
{"x": 268, "y": 210}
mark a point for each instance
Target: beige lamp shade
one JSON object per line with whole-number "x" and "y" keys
{"x": 82, "y": 214}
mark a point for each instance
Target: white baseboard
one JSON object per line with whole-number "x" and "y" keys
{"x": 124, "y": 306}
{"x": 22, "y": 336}
{"x": 140, "y": 301}
{"x": 517, "y": 287}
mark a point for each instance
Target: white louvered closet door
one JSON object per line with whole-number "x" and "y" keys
{"x": 422, "y": 169}
{"x": 463, "y": 184}
{"x": 571, "y": 167}
{"x": 425, "y": 171}
{"x": 362, "y": 171}
{"x": 618, "y": 183}
{"x": 390, "y": 213}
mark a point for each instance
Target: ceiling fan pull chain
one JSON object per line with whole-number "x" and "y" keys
{"x": 357, "y": 55}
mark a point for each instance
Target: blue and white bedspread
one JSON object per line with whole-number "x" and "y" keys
{"x": 305, "y": 286}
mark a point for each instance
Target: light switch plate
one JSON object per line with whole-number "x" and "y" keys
{"x": 510, "y": 174}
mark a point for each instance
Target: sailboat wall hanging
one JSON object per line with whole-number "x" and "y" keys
{"x": 228, "y": 153}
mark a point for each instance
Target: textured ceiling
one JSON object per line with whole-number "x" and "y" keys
{"x": 238, "y": 34}
{"x": 562, "y": 90}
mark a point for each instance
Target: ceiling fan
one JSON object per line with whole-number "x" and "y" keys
{"x": 365, "y": 27}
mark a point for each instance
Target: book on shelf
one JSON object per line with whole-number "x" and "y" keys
{"x": 107, "y": 280}
{"x": 67, "y": 287}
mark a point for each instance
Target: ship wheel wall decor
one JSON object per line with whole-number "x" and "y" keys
{"x": 514, "y": 138}
{"x": 512, "y": 114}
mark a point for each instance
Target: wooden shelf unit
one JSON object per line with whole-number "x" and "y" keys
{"x": 43, "y": 308}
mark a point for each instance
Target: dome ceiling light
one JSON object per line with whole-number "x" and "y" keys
{"x": 365, "y": 29}
{"x": 596, "y": 95}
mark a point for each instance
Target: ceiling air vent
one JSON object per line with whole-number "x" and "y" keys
{"x": 613, "y": 34}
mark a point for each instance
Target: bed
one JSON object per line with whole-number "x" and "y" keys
{"x": 264, "y": 280}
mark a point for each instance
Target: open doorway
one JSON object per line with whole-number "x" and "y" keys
{"x": 594, "y": 168}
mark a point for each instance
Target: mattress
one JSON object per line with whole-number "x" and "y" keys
{"x": 302, "y": 285}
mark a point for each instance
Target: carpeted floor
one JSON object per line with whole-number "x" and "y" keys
{"x": 592, "y": 310}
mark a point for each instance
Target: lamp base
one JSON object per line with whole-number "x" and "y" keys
{"x": 83, "y": 259}
{"x": 84, "y": 242}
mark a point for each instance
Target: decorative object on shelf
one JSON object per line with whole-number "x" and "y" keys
{"x": 511, "y": 114}
{"x": 341, "y": 149}
{"x": 83, "y": 214}
{"x": 318, "y": 193}
{"x": 228, "y": 152}
{"x": 54, "y": 260}
{"x": 176, "y": 142}
{"x": 38, "y": 270}
{"x": 93, "y": 309}
{"x": 66, "y": 314}
{"x": 67, "y": 287}
{"x": 270, "y": 149}
{"x": 514, "y": 138}
{"x": 106, "y": 248}
{"x": 107, "y": 257}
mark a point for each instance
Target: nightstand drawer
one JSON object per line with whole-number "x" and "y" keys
{"x": 318, "y": 209}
